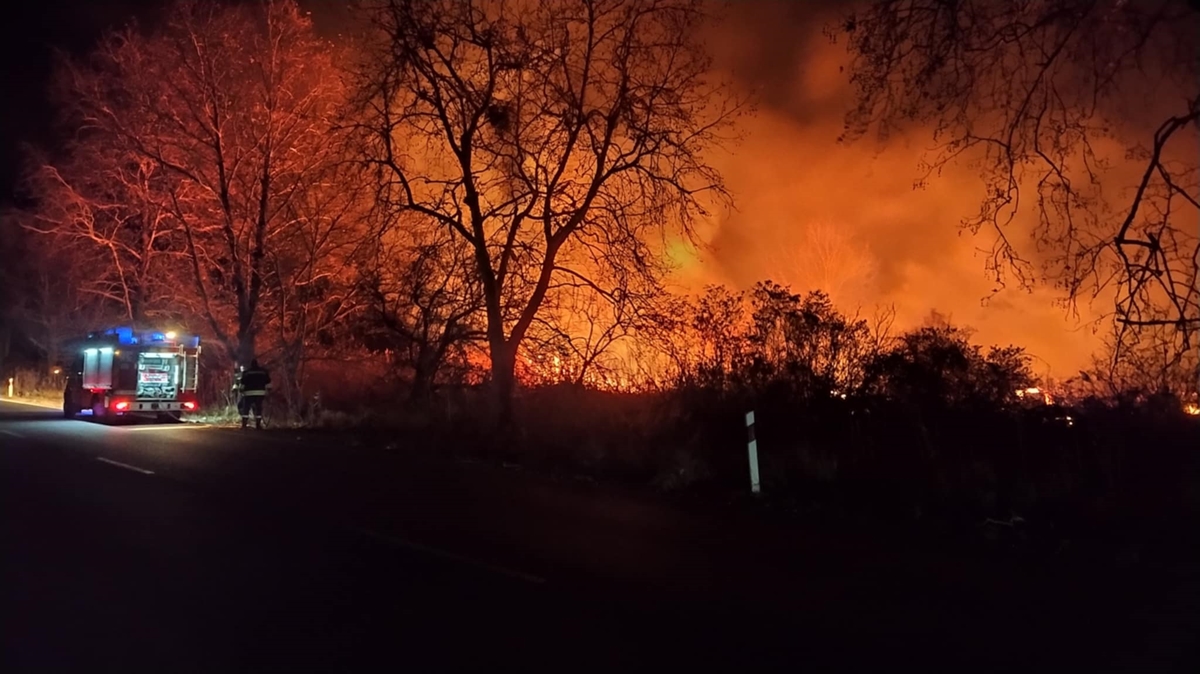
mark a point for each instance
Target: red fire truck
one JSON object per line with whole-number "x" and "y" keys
{"x": 124, "y": 371}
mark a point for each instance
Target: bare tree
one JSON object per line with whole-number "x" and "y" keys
{"x": 312, "y": 263}
{"x": 664, "y": 352}
{"x": 99, "y": 207}
{"x": 1037, "y": 93}
{"x": 43, "y": 288}
{"x": 543, "y": 134}
{"x": 581, "y": 329}
{"x": 235, "y": 106}
{"x": 828, "y": 257}
{"x": 10, "y": 276}
{"x": 1154, "y": 363}
{"x": 421, "y": 299}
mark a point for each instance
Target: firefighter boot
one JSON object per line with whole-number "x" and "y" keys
{"x": 245, "y": 422}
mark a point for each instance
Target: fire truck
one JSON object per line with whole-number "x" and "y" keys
{"x": 124, "y": 371}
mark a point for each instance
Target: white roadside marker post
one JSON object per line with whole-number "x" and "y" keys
{"x": 10, "y": 387}
{"x": 752, "y": 451}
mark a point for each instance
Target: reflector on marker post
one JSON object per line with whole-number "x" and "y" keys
{"x": 752, "y": 452}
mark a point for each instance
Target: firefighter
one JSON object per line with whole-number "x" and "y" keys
{"x": 251, "y": 385}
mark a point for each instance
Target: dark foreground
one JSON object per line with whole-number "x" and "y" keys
{"x": 178, "y": 549}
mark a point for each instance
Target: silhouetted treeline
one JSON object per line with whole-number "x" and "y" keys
{"x": 917, "y": 426}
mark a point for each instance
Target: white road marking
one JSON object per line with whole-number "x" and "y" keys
{"x": 44, "y": 406}
{"x": 12, "y": 433}
{"x": 446, "y": 555}
{"x": 126, "y": 466}
{"x": 175, "y": 427}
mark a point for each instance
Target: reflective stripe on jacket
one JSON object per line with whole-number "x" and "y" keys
{"x": 254, "y": 382}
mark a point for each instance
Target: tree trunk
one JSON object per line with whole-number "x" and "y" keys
{"x": 504, "y": 364}
{"x": 246, "y": 347}
{"x": 422, "y": 385}
{"x": 289, "y": 385}
{"x": 137, "y": 312}
{"x": 5, "y": 343}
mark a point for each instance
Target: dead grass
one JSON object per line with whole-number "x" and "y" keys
{"x": 219, "y": 416}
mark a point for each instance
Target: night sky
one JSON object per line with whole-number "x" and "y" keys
{"x": 29, "y": 33}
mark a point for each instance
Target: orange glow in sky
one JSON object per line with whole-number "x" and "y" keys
{"x": 813, "y": 213}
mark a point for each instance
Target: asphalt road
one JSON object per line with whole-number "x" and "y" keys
{"x": 181, "y": 548}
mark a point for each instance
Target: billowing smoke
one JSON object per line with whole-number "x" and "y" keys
{"x": 815, "y": 213}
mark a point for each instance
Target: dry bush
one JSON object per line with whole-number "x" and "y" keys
{"x": 35, "y": 384}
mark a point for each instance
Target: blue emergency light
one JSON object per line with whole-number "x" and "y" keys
{"x": 127, "y": 336}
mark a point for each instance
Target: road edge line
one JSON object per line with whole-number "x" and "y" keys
{"x": 17, "y": 401}
{"x": 126, "y": 466}
{"x": 162, "y": 427}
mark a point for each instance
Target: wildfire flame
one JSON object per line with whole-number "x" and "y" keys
{"x": 1035, "y": 393}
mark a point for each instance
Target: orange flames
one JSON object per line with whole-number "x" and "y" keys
{"x": 1035, "y": 393}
